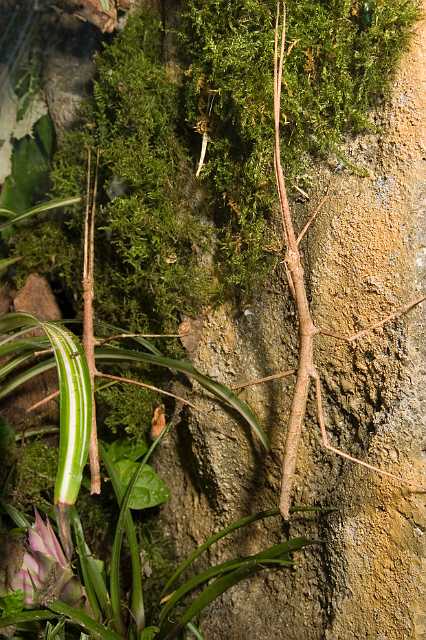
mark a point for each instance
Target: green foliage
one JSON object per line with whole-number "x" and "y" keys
{"x": 127, "y": 408}
{"x": 34, "y": 482}
{"x": 150, "y": 490}
{"x": 148, "y": 241}
{"x": 12, "y": 603}
{"x": 339, "y": 63}
{"x": 30, "y": 167}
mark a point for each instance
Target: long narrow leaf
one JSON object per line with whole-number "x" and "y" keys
{"x": 137, "y": 607}
{"x": 242, "y": 522}
{"x": 84, "y": 555}
{"x": 5, "y": 263}
{"x": 208, "y": 574}
{"x": 210, "y": 593}
{"x": 26, "y": 616}
{"x": 81, "y": 619}
{"x": 41, "y": 208}
{"x": 120, "y": 530}
{"x": 116, "y": 355}
{"x": 112, "y": 355}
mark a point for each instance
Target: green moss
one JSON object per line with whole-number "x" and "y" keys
{"x": 35, "y": 475}
{"x": 341, "y": 56}
{"x": 128, "y": 409}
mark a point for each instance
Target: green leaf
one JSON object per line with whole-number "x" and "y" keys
{"x": 5, "y": 263}
{"x": 12, "y": 603}
{"x": 195, "y": 631}
{"x": 149, "y": 633}
{"x": 122, "y": 525}
{"x": 238, "y": 524}
{"x": 115, "y": 355}
{"x": 213, "y": 591}
{"x": 149, "y": 491}
{"x": 93, "y": 581}
{"x": 81, "y": 619}
{"x": 75, "y": 410}
{"x": 27, "y": 616}
{"x": 124, "y": 448}
{"x": 7, "y": 439}
{"x": 137, "y": 606}
{"x": 42, "y": 208}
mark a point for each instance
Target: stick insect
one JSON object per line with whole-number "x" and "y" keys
{"x": 306, "y": 372}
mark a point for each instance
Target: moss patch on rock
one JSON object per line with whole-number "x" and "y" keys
{"x": 340, "y": 60}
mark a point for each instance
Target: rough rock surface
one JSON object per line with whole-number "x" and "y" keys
{"x": 365, "y": 258}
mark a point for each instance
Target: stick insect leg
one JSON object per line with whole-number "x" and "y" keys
{"x": 326, "y": 440}
{"x": 377, "y": 325}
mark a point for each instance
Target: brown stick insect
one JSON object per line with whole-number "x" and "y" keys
{"x": 306, "y": 372}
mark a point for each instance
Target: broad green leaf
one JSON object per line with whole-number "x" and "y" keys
{"x": 125, "y": 448}
{"x": 149, "y": 491}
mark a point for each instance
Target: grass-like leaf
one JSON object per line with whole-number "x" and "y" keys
{"x": 221, "y": 569}
{"x": 13, "y": 217}
{"x": 81, "y": 619}
{"x": 137, "y": 606}
{"x": 93, "y": 581}
{"x": 113, "y": 355}
{"x": 120, "y": 530}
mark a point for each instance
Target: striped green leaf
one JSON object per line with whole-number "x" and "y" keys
{"x": 113, "y": 355}
{"x": 75, "y": 408}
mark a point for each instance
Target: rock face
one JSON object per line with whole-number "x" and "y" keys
{"x": 364, "y": 259}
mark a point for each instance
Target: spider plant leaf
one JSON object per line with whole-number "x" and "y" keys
{"x": 114, "y": 355}
{"x": 93, "y": 580}
{"x": 40, "y": 208}
{"x": 137, "y": 606}
{"x": 23, "y": 345}
{"x": 23, "y": 376}
{"x": 75, "y": 408}
{"x": 81, "y": 619}
{"x": 220, "y": 569}
{"x": 214, "y": 590}
{"x": 5, "y": 263}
